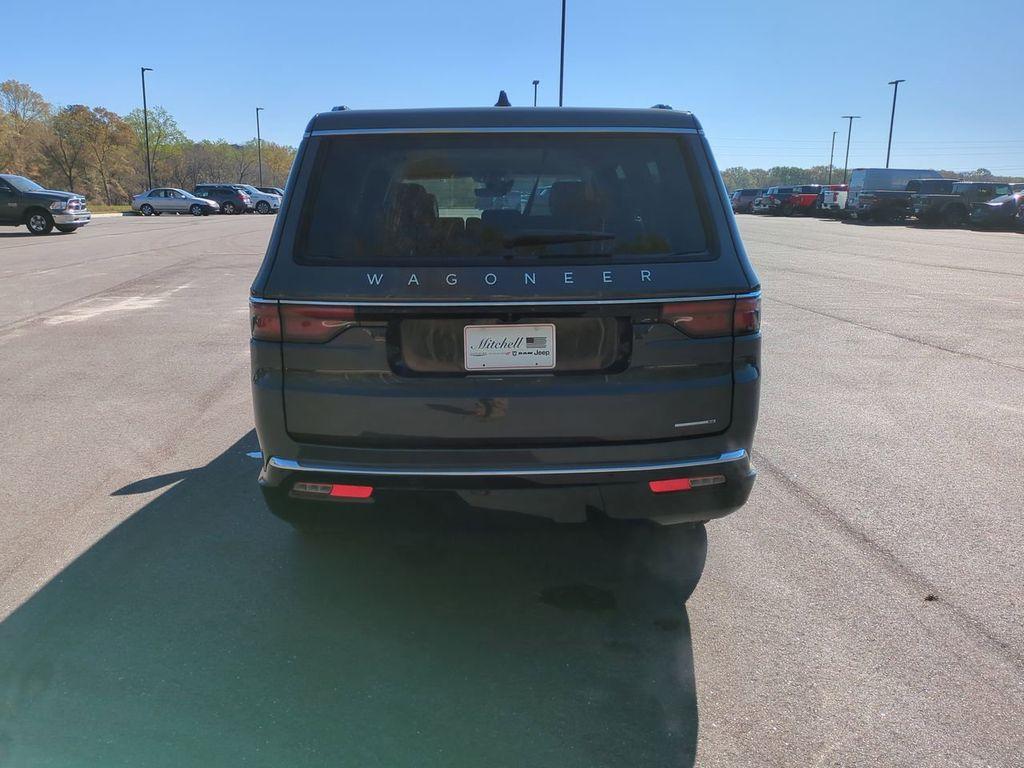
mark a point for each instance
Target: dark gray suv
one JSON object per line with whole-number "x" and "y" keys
{"x": 426, "y": 320}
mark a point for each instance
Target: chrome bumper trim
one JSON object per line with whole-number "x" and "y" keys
{"x": 72, "y": 218}
{"x": 523, "y": 303}
{"x": 339, "y": 469}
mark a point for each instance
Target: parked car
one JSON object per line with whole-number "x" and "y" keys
{"x": 230, "y": 199}
{"x": 880, "y": 194}
{"x": 743, "y": 200}
{"x": 261, "y": 201}
{"x": 272, "y": 191}
{"x": 832, "y": 199}
{"x": 999, "y": 212}
{"x": 766, "y": 201}
{"x": 802, "y": 200}
{"x": 171, "y": 200}
{"x": 23, "y": 202}
{"x": 785, "y": 201}
{"x": 603, "y": 350}
{"x": 953, "y": 208}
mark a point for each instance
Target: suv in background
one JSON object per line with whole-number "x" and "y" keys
{"x": 743, "y": 200}
{"x": 230, "y": 199}
{"x": 272, "y": 191}
{"x": 23, "y": 202}
{"x": 952, "y": 207}
{"x": 597, "y": 350}
{"x": 880, "y": 194}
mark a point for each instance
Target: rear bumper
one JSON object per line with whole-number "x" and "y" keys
{"x": 559, "y": 492}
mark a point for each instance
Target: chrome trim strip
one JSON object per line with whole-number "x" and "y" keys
{"x": 504, "y": 129}
{"x": 524, "y": 303}
{"x": 700, "y": 423}
{"x": 336, "y": 469}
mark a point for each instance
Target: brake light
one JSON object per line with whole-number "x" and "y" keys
{"x": 719, "y": 317}
{"x": 264, "y": 321}
{"x": 314, "y": 323}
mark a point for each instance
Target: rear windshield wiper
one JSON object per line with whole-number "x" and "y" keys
{"x": 552, "y": 237}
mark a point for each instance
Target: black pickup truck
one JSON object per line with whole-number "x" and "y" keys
{"x": 953, "y": 207}
{"x": 883, "y": 194}
{"x": 23, "y": 202}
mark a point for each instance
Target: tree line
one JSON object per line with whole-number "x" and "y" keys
{"x": 101, "y": 155}
{"x": 786, "y": 176}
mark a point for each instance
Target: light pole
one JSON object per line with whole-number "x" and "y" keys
{"x": 535, "y": 84}
{"x": 892, "y": 118}
{"x": 831, "y": 155}
{"x": 849, "y": 131}
{"x": 259, "y": 147}
{"x": 145, "y": 125}
{"x": 561, "y": 60}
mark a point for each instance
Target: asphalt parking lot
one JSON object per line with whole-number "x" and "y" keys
{"x": 864, "y": 609}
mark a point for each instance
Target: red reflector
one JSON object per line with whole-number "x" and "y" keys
{"x": 684, "y": 483}
{"x": 667, "y": 486}
{"x": 313, "y": 323}
{"x": 264, "y": 322}
{"x": 352, "y": 491}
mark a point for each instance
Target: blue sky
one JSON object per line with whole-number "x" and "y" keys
{"x": 769, "y": 80}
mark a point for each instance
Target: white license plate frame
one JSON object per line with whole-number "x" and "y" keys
{"x": 509, "y": 347}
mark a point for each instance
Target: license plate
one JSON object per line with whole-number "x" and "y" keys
{"x": 509, "y": 347}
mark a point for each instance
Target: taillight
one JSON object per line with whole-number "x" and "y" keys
{"x": 313, "y": 323}
{"x": 309, "y": 323}
{"x": 719, "y": 317}
{"x": 746, "y": 318}
{"x": 264, "y": 321}
{"x": 700, "y": 319}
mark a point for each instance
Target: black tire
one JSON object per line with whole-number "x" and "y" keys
{"x": 39, "y": 222}
{"x": 67, "y": 229}
{"x": 955, "y": 216}
{"x": 229, "y": 208}
{"x": 146, "y": 209}
{"x": 787, "y": 210}
{"x": 157, "y": 213}
{"x": 196, "y": 209}
{"x": 263, "y": 207}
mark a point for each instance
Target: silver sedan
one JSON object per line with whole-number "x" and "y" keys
{"x": 172, "y": 200}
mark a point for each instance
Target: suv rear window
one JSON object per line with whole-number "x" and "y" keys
{"x": 444, "y": 198}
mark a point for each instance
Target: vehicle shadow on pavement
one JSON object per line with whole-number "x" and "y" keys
{"x": 202, "y": 631}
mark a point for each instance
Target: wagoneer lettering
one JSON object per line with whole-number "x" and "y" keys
{"x": 533, "y": 302}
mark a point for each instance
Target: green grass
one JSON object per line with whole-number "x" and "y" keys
{"x": 94, "y": 208}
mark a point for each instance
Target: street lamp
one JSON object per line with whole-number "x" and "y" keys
{"x": 535, "y": 84}
{"x": 145, "y": 125}
{"x": 259, "y": 147}
{"x": 831, "y": 155}
{"x": 849, "y": 130}
{"x": 892, "y": 118}
{"x": 561, "y": 60}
